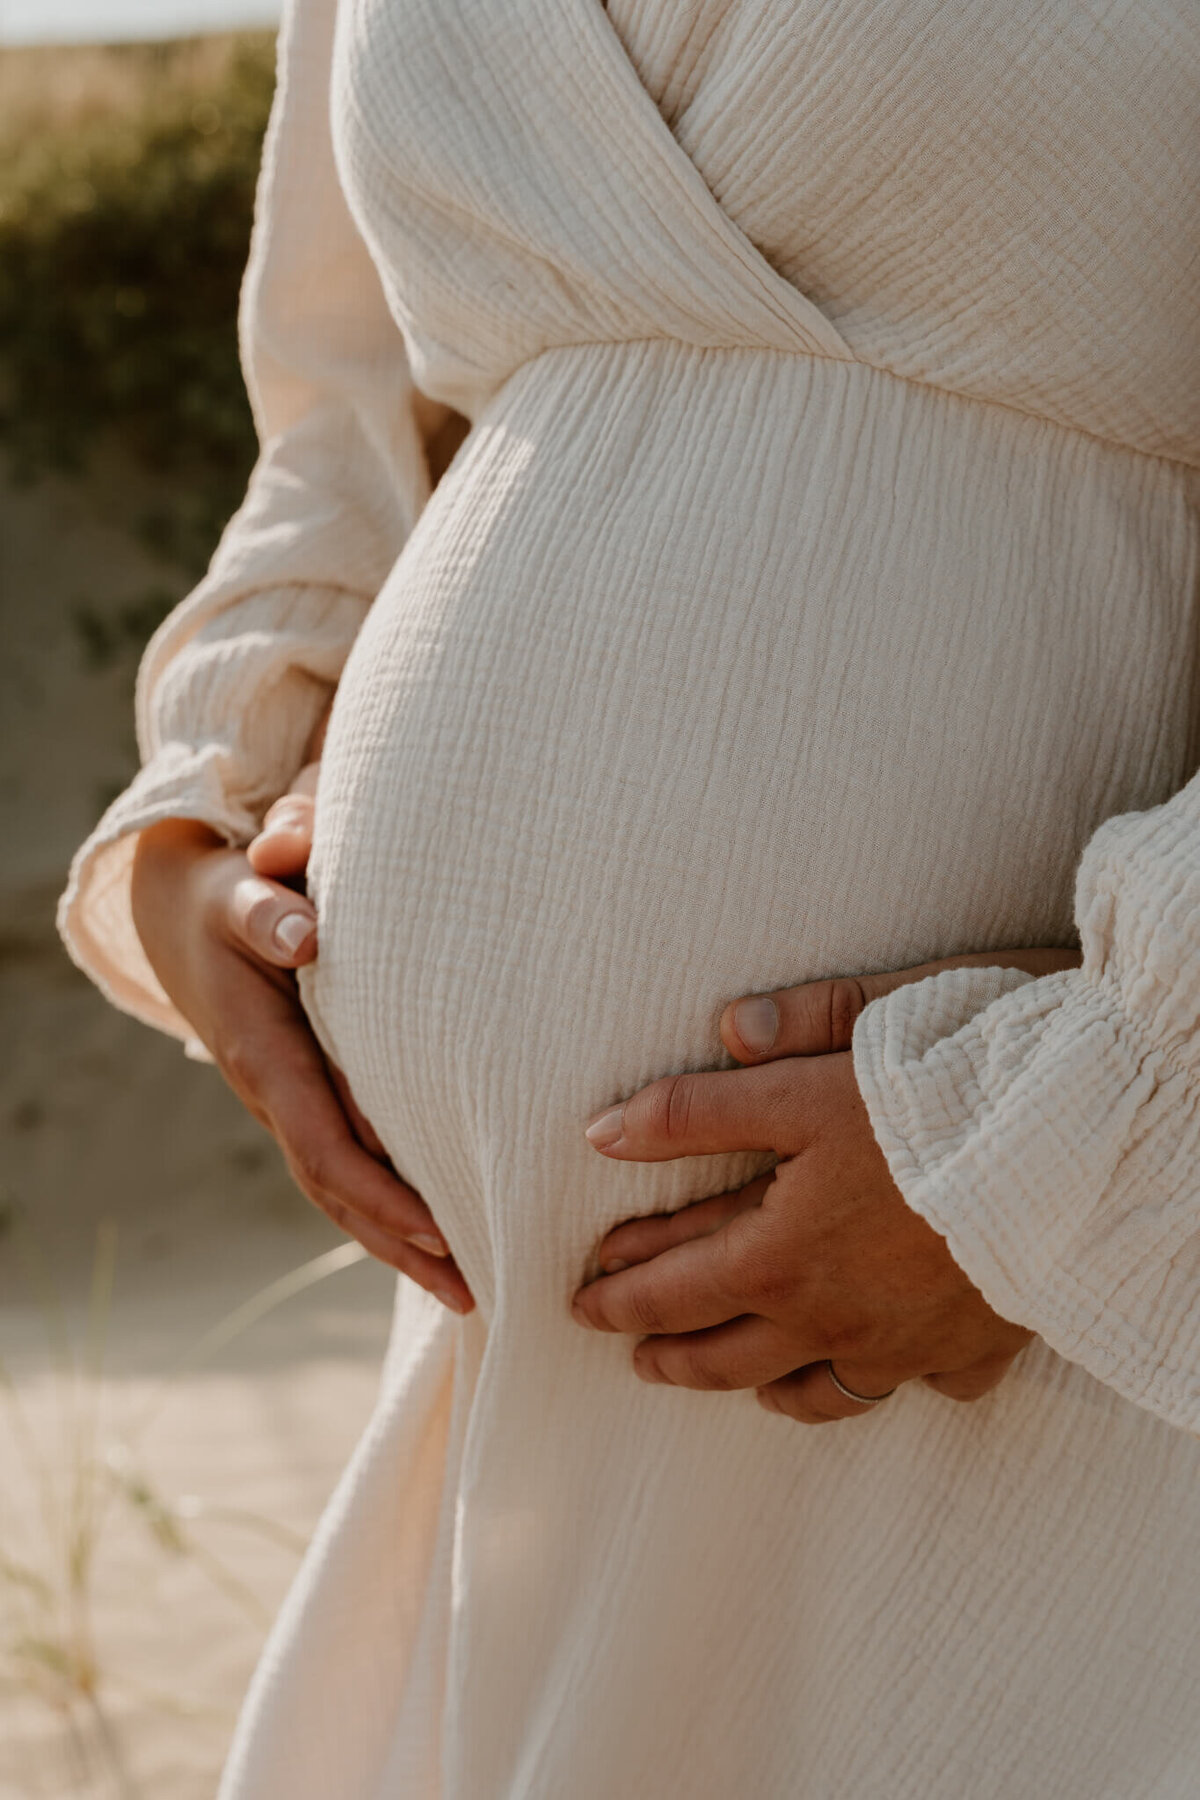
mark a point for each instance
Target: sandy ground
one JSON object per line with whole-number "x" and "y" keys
{"x": 103, "y": 1125}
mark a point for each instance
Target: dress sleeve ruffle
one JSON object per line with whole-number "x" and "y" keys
{"x": 234, "y": 682}
{"x": 223, "y": 731}
{"x": 1049, "y": 1129}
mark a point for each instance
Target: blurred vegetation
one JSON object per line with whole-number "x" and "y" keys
{"x": 127, "y": 183}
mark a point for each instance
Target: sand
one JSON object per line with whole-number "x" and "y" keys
{"x": 103, "y": 1121}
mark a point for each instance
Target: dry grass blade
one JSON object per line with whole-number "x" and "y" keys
{"x": 257, "y": 1307}
{"x": 47, "y": 1590}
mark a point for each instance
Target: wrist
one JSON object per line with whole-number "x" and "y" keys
{"x": 168, "y": 837}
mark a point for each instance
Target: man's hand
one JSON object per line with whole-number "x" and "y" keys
{"x": 223, "y": 934}
{"x": 820, "y": 1262}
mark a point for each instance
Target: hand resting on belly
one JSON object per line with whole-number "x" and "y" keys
{"x": 821, "y": 1261}
{"x": 763, "y": 1288}
{"x": 223, "y": 934}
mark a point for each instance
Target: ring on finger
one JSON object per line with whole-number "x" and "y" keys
{"x": 849, "y": 1393}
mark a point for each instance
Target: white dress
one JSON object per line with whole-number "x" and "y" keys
{"x": 818, "y": 578}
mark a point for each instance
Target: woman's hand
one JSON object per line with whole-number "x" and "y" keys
{"x": 820, "y": 1262}
{"x": 223, "y": 935}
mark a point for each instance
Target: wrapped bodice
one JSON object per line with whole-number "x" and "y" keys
{"x": 997, "y": 200}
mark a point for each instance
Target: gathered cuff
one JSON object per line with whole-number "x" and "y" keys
{"x": 95, "y": 913}
{"x": 1054, "y": 1142}
{"x": 228, "y": 703}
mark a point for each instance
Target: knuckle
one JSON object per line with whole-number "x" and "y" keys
{"x": 241, "y": 1066}
{"x": 645, "y": 1311}
{"x": 777, "y": 1102}
{"x": 844, "y": 1002}
{"x": 314, "y": 1168}
{"x": 702, "y": 1370}
{"x": 670, "y": 1107}
{"x": 812, "y": 1017}
{"x": 851, "y": 1339}
{"x": 764, "y": 1278}
{"x": 339, "y": 1214}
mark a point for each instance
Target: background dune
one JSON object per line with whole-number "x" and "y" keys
{"x": 139, "y": 1563}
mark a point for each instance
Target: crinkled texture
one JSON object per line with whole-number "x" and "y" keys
{"x": 1050, "y": 1129}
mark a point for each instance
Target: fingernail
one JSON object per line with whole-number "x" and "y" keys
{"x": 756, "y": 1021}
{"x": 614, "y": 1266}
{"x": 603, "y": 1132}
{"x": 436, "y": 1246}
{"x": 292, "y": 931}
{"x": 454, "y": 1301}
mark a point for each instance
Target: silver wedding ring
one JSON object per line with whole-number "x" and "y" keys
{"x": 849, "y": 1393}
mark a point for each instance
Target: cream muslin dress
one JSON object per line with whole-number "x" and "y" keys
{"x": 815, "y": 592}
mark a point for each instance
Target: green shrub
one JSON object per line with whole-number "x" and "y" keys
{"x": 123, "y": 238}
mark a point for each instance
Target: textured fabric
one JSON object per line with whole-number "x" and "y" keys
{"x": 234, "y": 681}
{"x": 818, "y": 578}
{"x": 1054, "y": 1138}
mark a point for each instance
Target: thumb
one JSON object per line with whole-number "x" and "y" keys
{"x": 818, "y": 1018}
{"x": 274, "y": 924}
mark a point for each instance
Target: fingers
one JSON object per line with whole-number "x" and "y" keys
{"x": 814, "y": 1020}
{"x": 283, "y": 846}
{"x": 274, "y": 1064}
{"x": 331, "y": 1165}
{"x": 358, "y": 1193}
{"x": 817, "y": 1019}
{"x": 438, "y": 1277}
{"x": 270, "y": 921}
{"x": 637, "y": 1240}
{"x": 285, "y": 1083}
{"x": 974, "y": 1382}
{"x": 809, "y": 1396}
{"x": 746, "y": 1353}
{"x": 691, "y": 1287}
{"x": 360, "y": 1125}
{"x": 704, "y": 1115}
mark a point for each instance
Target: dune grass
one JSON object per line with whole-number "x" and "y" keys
{"x": 64, "y": 1491}
{"x": 127, "y": 179}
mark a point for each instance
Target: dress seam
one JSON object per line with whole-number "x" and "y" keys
{"x": 858, "y": 362}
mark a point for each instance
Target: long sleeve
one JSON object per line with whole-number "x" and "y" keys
{"x": 1050, "y": 1129}
{"x": 233, "y": 683}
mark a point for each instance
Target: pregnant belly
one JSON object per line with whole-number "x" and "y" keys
{"x": 707, "y": 672}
